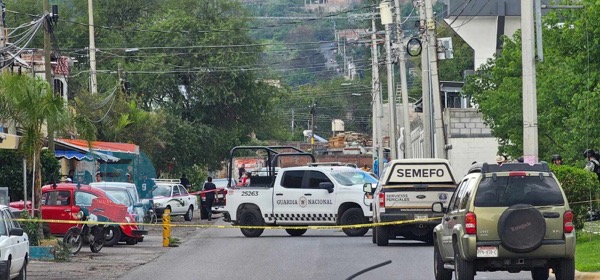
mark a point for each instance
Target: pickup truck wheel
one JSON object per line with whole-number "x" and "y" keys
{"x": 296, "y": 232}
{"x": 23, "y": 272}
{"x": 189, "y": 214}
{"x": 251, "y": 217}
{"x": 382, "y": 237}
{"x": 374, "y": 235}
{"x": 521, "y": 228}
{"x": 540, "y": 273}
{"x": 113, "y": 236}
{"x": 354, "y": 216}
{"x": 438, "y": 265}
{"x": 565, "y": 269}
{"x": 464, "y": 269}
{"x": 5, "y": 271}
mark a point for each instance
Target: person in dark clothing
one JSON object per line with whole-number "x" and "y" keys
{"x": 185, "y": 182}
{"x": 210, "y": 196}
{"x": 241, "y": 171}
{"x": 146, "y": 187}
{"x": 593, "y": 164}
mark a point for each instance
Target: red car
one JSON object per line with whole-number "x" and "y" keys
{"x": 63, "y": 201}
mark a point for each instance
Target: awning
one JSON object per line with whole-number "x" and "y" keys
{"x": 84, "y": 156}
{"x": 104, "y": 147}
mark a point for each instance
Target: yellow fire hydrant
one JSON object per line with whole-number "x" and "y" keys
{"x": 166, "y": 217}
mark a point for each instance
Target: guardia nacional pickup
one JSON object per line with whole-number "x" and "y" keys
{"x": 407, "y": 189}
{"x": 313, "y": 194}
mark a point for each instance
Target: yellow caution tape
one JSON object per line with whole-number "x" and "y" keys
{"x": 230, "y": 226}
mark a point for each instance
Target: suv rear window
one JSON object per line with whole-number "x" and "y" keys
{"x": 505, "y": 191}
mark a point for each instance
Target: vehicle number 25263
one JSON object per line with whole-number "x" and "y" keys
{"x": 249, "y": 193}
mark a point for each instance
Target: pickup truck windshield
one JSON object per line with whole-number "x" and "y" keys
{"x": 349, "y": 178}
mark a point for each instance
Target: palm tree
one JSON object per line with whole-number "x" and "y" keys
{"x": 29, "y": 102}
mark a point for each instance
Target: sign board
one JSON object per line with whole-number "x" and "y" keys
{"x": 421, "y": 173}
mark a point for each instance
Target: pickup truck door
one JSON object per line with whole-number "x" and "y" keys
{"x": 297, "y": 201}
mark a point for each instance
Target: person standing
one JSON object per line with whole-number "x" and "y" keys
{"x": 557, "y": 159}
{"x": 241, "y": 171}
{"x": 210, "y": 189}
{"x": 98, "y": 177}
{"x": 185, "y": 182}
{"x": 146, "y": 187}
{"x": 593, "y": 165}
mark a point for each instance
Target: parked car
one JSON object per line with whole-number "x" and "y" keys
{"x": 124, "y": 197}
{"x": 512, "y": 217}
{"x": 64, "y": 200}
{"x": 14, "y": 247}
{"x": 170, "y": 194}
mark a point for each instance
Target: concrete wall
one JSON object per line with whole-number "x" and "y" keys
{"x": 470, "y": 138}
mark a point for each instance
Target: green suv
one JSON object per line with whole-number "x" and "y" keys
{"x": 512, "y": 217}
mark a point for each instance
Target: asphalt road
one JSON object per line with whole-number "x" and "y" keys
{"x": 326, "y": 254}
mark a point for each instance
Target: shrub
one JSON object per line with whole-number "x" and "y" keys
{"x": 578, "y": 185}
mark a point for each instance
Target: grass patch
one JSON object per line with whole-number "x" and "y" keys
{"x": 587, "y": 255}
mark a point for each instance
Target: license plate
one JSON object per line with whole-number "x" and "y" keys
{"x": 420, "y": 216}
{"x": 487, "y": 252}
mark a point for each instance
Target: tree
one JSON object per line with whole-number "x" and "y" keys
{"x": 567, "y": 91}
{"x": 30, "y": 103}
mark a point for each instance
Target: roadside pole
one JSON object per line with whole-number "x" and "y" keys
{"x": 166, "y": 217}
{"x": 377, "y": 113}
{"x": 93, "y": 81}
{"x": 530, "y": 130}
{"x": 426, "y": 115}
{"x": 387, "y": 20}
{"x": 439, "y": 139}
{"x": 403, "y": 84}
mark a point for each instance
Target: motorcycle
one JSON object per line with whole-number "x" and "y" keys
{"x": 92, "y": 234}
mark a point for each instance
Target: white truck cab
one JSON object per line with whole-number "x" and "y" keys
{"x": 302, "y": 196}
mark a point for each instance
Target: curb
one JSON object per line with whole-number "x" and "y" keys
{"x": 587, "y": 275}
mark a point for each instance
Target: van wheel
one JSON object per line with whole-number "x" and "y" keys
{"x": 565, "y": 269}
{"x": 251, "y": 217}
{"x": 382, "y": 237}
{"x": 296, "y": 232}
{"x": 354, "y": 216}
{"x": 540, "y": 273}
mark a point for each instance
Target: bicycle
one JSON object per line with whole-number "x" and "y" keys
{"x": 150, "y": 214}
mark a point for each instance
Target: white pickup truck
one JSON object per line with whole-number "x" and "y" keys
{"x": 302, "y": 196}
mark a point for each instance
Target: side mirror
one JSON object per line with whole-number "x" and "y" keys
{"x": 326, "y": 186}
{"x": 367, "y": 187}
{"x": 16, "y": 231}
{"x": 437, "y": 207}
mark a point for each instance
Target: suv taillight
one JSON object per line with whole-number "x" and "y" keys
{"x": 382, "y": 199}
{"x": 470, "y": 223}
{"x": 568, "y": 222}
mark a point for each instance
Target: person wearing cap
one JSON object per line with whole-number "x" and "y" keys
{"x": 556, "y": 159}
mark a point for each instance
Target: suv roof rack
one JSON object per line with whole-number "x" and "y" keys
{"x": 506, "y": 167}
{"x": 167, "y": 181}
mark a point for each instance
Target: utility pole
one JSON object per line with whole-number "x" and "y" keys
{"x": 313, "y": 113}
{"x": 2, "y": 27}
{"x": 440, "y": 141}
{"x": 427, "y": 135}
{"x": 93, "y": 81}
{"x": 47, "y": 65}
{"x": 404, "y": 87}
{"x": 377, "y": 113}
{"x": 530, "y": 131}
{"x": 292, "y": 132}
{"x": 387, "y": 20}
